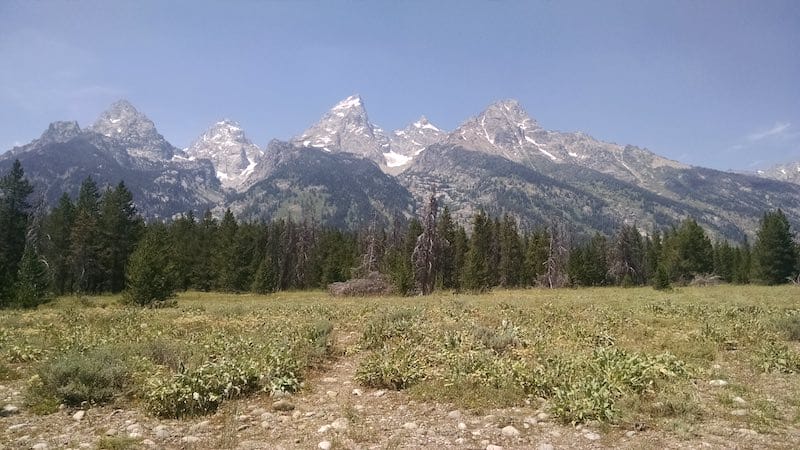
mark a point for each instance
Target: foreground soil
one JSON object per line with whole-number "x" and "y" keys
{"x": 334, "y": 411}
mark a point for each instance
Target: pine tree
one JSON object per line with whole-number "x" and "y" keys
{"x": 87, "y": 271}
{"x": 149, "y": 281}
{"x": 742, "y": 267}
{"x": 775, "y": 252}
{"x": 33, "y": 281}
{"x": 448, "y": 272}
{"x": 724, "y": 261}
{"x": 477, "y": 275}
{"x": 56, "y": 243}
{"x": 119, "y": 230}
{"x": 511, "y": 256}
{"x": 536, "y": 255}
{"x": 627, "y": 262}
{"x": 225, "y": 254}
{"x": 203, "y": 276}
{"x": 184, "y": 236}
{"x": 14, "y": 211}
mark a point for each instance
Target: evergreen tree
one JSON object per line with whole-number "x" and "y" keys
{"x": 627, "y": 262}
{"x": 536, "y": 255}
{"x": 742, "y": 263}
{"x": 14, "y": 211}
{"x": 588, "y": 265}
{"x": 184, "y": 236}
{"x": 724, "y": 261}
{"x": 460, "y": 247}
{"x": 32, "y": 285}
{"x": 775, "y": 252}
{"x": 226, "y": 257}
{"x": 204, "y": 273}
{"x": 85, "y": 247}
{"x": 267, "y": 276}
{"x": 149, "y": 281}
{"x": 477, "y": 274}
{"x": 56, "y": 243}
{"x": 448, "y": 270}
{"x": 119, "y": 230}
{"x": 511, "y": 256}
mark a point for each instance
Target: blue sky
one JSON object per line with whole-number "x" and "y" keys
{"x": 712, "y": 83}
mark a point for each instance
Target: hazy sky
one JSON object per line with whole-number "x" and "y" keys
{"x": 713, "y": 83}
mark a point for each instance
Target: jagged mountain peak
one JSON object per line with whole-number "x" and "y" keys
{"x": 233, "y": 155}
{"x": 352, "y": 102}
{"x": 511, "y": 112}
{"x": 61, "y": 131}
{"x": 124, "y": 123}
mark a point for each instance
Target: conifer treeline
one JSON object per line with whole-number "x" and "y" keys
{"x": 86, "y": 245}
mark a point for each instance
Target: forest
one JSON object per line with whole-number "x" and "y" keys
{"x": 99, "y": 243}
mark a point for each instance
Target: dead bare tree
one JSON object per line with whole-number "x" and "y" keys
{"x": 427, "y": 250}
{"x": 555, "y": 274}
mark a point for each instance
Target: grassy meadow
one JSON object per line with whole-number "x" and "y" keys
{"x": 634, "y": 359}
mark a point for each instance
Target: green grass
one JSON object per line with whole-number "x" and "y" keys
{"x": 618, "y": 356}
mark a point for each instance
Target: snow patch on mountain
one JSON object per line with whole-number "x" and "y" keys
{"x": 233, "y": 155}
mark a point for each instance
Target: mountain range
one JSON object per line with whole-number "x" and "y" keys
{"x": 345, "y": 171}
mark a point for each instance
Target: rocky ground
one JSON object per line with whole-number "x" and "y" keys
{"x": 334, "y": 412}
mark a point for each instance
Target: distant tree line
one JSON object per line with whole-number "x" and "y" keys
{"x": 98, "y": 243}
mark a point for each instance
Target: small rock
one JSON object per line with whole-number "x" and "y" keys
{"x": 148, "y": 443}
{"x": 455, "y": 414}
{"x": 542, "y": 417}
{"x": 718, "y": 383}
{"x": 324, "y": 445}
{"x": 9, "y": 410}
{"x": 137, "y": 427}
{"x": 340, "y": 424}
{"x": 258, "y": 411}
{"x": 331, "y": 394}
{"x": 739, "y": 400}
{"x": 324, "y": 429}
{"x": 739, "y": 412}
{"x": 592, "y": 436}
{"x": 242, "y": 427}
{"x": 243, "y": 418}
{"x": 40, "y": 446}
{"x": 530, "y": 420}
{"x": 17, "y": 427}
{"x": 510, "y": 431}
{"x": 380, "y": 393}
{"x": 282, "y": 405}
{"x": 462, "y": 426}
{"x": 134, "y": 435}
{"x": 88, "y": 445}
{"x": 79, "y": 415}
{"x": 265, "y": 424}
{"x": 716, "y": 367}
{"x": 267, "y": 416}
{"x": 747, "y": 431}
{"x": 329, "y": 380}
{"x": 630, "y": 434}
{"x": 201, "y": 426}
{"x": 460, "y": 441}
{"x": 296, "y": 415}
{"x": 493, "y": 447}
{"x": 410, "y": 426}
{"x": 358, "y": 392}
{"x": 111, "y": 432}
{"x": 190, "y": 439}
{"x": 545, "y": 446}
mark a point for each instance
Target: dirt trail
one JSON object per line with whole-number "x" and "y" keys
{"x": 334, "y": 412}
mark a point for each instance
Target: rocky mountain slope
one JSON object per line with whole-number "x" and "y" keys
{"x": 233, "y": 155}
{"x": 783, "y": 172}
{"x": 345, "y": 170}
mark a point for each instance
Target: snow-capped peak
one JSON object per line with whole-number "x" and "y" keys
{"x": 124, "y": 123}
{"x": 425, "y": 124}
{"x": 354, "y": 101}
{"x": 234, "y": 156}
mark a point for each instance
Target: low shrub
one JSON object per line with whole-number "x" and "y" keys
{"x": 401, "y": 323}
{"x": 396, "y": 367}
{"x": 776, "y": 356}
{"x": 96, "y": 375}
{"x": 790, "y": 326}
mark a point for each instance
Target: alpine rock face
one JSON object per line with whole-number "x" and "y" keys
{"x": 784, "y": 172}
{"x": 345, "y": 171}
{"x": 347, "y": 128}
{"x": 233, "y": 155}
{"x": 133, "y": 130}
{"x": 505, "y": 129}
